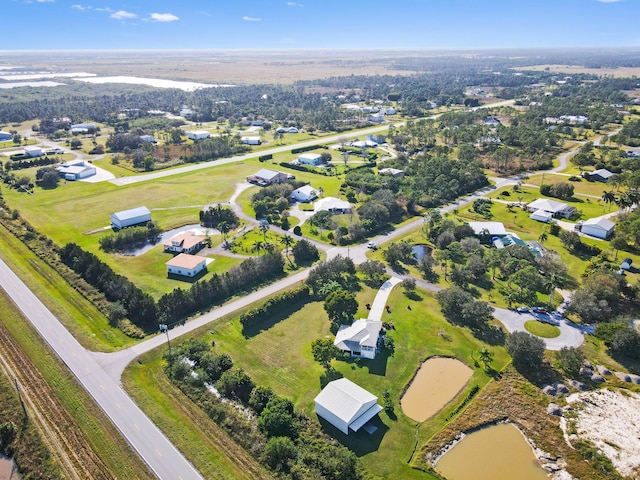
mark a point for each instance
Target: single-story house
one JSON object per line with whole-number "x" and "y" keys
{"x": 186, "y": 265}
{"x": 346, "y": 406}
{"x": 197, "y": 134}
{"x": 292, "y": 130}
{"x": 265, "y": 177}
{"x": 491, "y": 140}
{"x": 147, "y": 138}
{"x": 364, "y": 144}
{"x": 360, "y": 338}
{"x": 333, "y": 205}
{"x": 600, "y": 175}
{"x": 556, "y": 209}
{"x": 376, "y": 118}
{"x": 310, "y": 159}
{"x": 378, "y": 139}
{"x": 281, "y": 130}
{"x": 75, "y": 170}
{"x": 493, "y": 121}
{"x": 33, "y": 151}
{"x": 4, "y": 136}
{"x": 393, "y": 172}
{"x": 83, "y": 127}
{"x": 492, "y": 229}
{"x": 250, "y": 140}
{"x": 598, "y": 227}
{"x": 574, "y": 119}
{"x": 304, "y": 194}
{"x": 133, "y": 216}
{"x": 186, "y": 112}
{"x": 186, "y": 242}
{"x": 508, "y": 240}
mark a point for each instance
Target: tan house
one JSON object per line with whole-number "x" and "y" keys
{"x": 186, "y": 265}
{"x": 186, "y": 242}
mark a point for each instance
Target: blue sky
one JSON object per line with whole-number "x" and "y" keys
{"x": 282, "y": 24}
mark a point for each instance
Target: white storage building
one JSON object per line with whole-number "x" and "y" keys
{"x": 250, "y": 140}
{"x": 33, "y": 151}
{"x": 75, "y": 170}
{"x": 4, "y": 136}
{"x": 346, "y": 406}
{"x": 598, "y": 227}
{"x": 304, "y": 194}
{"x": 197, "y": 134}
{"x": 133, "y": 216}
{"x": 186, "y": 265}
{"x": 310, "y": 159}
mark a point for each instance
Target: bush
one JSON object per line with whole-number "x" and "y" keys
{"x": 526, "y": 350}
{"x": 278, "y": 452}
{"x": 304, "y": 252}
{"x": 274, "y": 304}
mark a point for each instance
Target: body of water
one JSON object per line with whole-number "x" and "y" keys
{"x": 153, "y": 82}
{"x": 499, "y": 452}
{"x": 420, "y": 251}
{"x": 437, "y": 382}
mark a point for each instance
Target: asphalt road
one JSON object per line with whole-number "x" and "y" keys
{"x": 141, "y": 433}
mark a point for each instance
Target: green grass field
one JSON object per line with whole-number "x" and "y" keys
{"x": 541, "y": 329}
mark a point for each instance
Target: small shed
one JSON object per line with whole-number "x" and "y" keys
{"x": 186, "y": 265}
{"x": 346, "y": 406}
{"x": 128, "y": 218}
{"x": 598, "y": 227}
{"x": 147, "y": 138}
{"x": 33, "y": 151}
{"x": 310, "y": 159}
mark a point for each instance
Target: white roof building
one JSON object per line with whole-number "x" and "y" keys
{"x": 550, "y": 206}
{"x": 598, "y": 227}
{"x": 305, "y": 193}
{"x": 186, "y": 265}
{"x": 197, "y": 134}
{"x": 601, "y": 175}
{"x": 33, "y": 151}
{"x": 360, "y": 338}
{"x": 250, "y": 140}
{"x": 333, "y": 205}
{"x": 265, "y": 176}
{"x": 495, "y": 229}
{"x": 393, "y": 172}
{"x": 133, "y": 216}
{"x": 4, "y": 136}
{"x": 346, "y": 406}
{"x": 75, "y": 170}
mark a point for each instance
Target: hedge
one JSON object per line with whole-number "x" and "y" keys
{"x": 274, "y": 304}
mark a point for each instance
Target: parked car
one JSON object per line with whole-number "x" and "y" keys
{"x": 522, "y": 309}
{"x": 372, "y": 246}
{"x": 540, "y": 310}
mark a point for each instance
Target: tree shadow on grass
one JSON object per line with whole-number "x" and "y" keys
{"x": 540, "y": 376}
{"x": 361, "y": 443}
{"x": 255, "y": 328}
{"x": 490, "y": 334}
{"x": 329, "y": 375}
{"x": 377, "y": 366}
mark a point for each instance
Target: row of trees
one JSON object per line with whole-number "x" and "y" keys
{"x": 130, "y": 238}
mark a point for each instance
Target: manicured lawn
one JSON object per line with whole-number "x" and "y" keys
{"x": 540, "y": 329}
{"x": 584, "y": 186}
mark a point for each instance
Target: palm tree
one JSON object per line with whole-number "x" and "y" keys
{"x": 264, "y": 228}
{"x": 551, "y": 282}
{"x": 544, "y": 236}
{"x": 486, "y": 357}
{"x": 258, "y": 245}
{"x": 224, "y": 228}
{"x": 287, "y": 241}
{"x": 608, "y": 197}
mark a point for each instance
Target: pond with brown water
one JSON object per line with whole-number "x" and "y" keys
{"x": 437, "y": 382}
{"x": 499, "y": 452}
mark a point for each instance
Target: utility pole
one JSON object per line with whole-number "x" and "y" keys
{"x": 165, "y": 328}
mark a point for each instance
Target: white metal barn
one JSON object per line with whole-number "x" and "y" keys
{"x": 598, "y": 227}
{"x": 4, "y": 136}
{"x": 346, "y": 406}
{"x": 305, "y": 193}
{"x": 133, "y": 216}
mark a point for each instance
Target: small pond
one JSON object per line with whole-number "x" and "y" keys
{"x": 437, "y": 382}
{"x": 420, "y": 251}
{"x": 196, "y": 228}
{"x": 499, "y": 452}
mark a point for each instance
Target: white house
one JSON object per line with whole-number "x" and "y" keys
{"x": 346, "y": 406}
{"x": 556, "y": 209}
{"x": 186, "y": 242}
{"x": 197, "y": 134}
{"x": 310, "y": 159}
{"x": 250, "y": 140}
{"x": 493, "y": 229}
{"x": 492, "y": 121}
{"x": 133, "y": 216}
{"x": 360, "y": 338}
{"x": 393, "y": 172}
{"x": 75, "y": 170}
{"x": 4, "y": 136}
{"x": 333, "y": 205}
{"x": 33, "y": 151}
{"x": 83, "y": 127}
{"x": 598, "y": 227}
{"x": 147, "y": 138}
{"x": 265, "y": 177}
{"x": 186, "y": 265}
{"x": 542, "y": 216}
{"x": 376, "y": 118}
{"x": 364, "y": 143}
{"x": 304, "y": 194}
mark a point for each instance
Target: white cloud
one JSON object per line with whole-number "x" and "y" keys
{"x": 294, "y": 4}
{"x": 45, "y": 1}
{"x": 251, "y": 19}
{"x": 609, "y": 1}
{"x": 82, "y": 8}
{"x": 163, "y": 17}
{"x": 122, "y": 15}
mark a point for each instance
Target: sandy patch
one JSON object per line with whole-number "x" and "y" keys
{"x": 611, "y": 420}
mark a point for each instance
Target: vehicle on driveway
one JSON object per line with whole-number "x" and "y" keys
{"x": 372, "y": 246}
{"x": 539, "y": 310}
{"x": 522, "y": 309}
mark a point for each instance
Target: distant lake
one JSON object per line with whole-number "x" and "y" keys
{"x": 153, "y": 82}
{"x": 30, "y": 84}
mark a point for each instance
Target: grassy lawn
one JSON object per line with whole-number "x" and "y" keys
{"x": 584, "y": 186}
{"x": 82, "y": 319}
{"x": 541, "y": 329}
{"x": 278, "y": 355}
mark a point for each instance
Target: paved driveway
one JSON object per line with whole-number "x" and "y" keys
{"x": 570, "y": 335}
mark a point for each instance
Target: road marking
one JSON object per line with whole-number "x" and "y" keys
{"x": 118, "y": 405}
{"x": 158, "y": 452}
{"x": 135, "y": 425}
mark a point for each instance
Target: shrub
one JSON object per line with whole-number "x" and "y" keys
{"x": 274, "y": 304}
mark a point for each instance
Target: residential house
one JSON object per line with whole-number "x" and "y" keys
{"x": 133, "y": 216}
{"x": 314, "y": 159}
{"x": 333, "y": 205}
{"x": 556, "y": 209}
{"x": 265, "y": 177}
{"x": 598, "y": 227}
{"x": 5, "y": 136}
{"x": 304, "y": 194}
{"x": 392, "y": 172}
{"x": 80, "y": 128}
{"x": 147, "y": 138}
{"x": 292, "y": 130}
{"x": 600, "y": 175}
{"x": 186, "y": 242}
{"x": 487, "y": 231}
{"x": 492, "y": 121}
{"x": 186, "y": 265}
{"x": 346, "y": 405}
{"x": 376, "y": 118}
{"x": 360, "y": 339}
